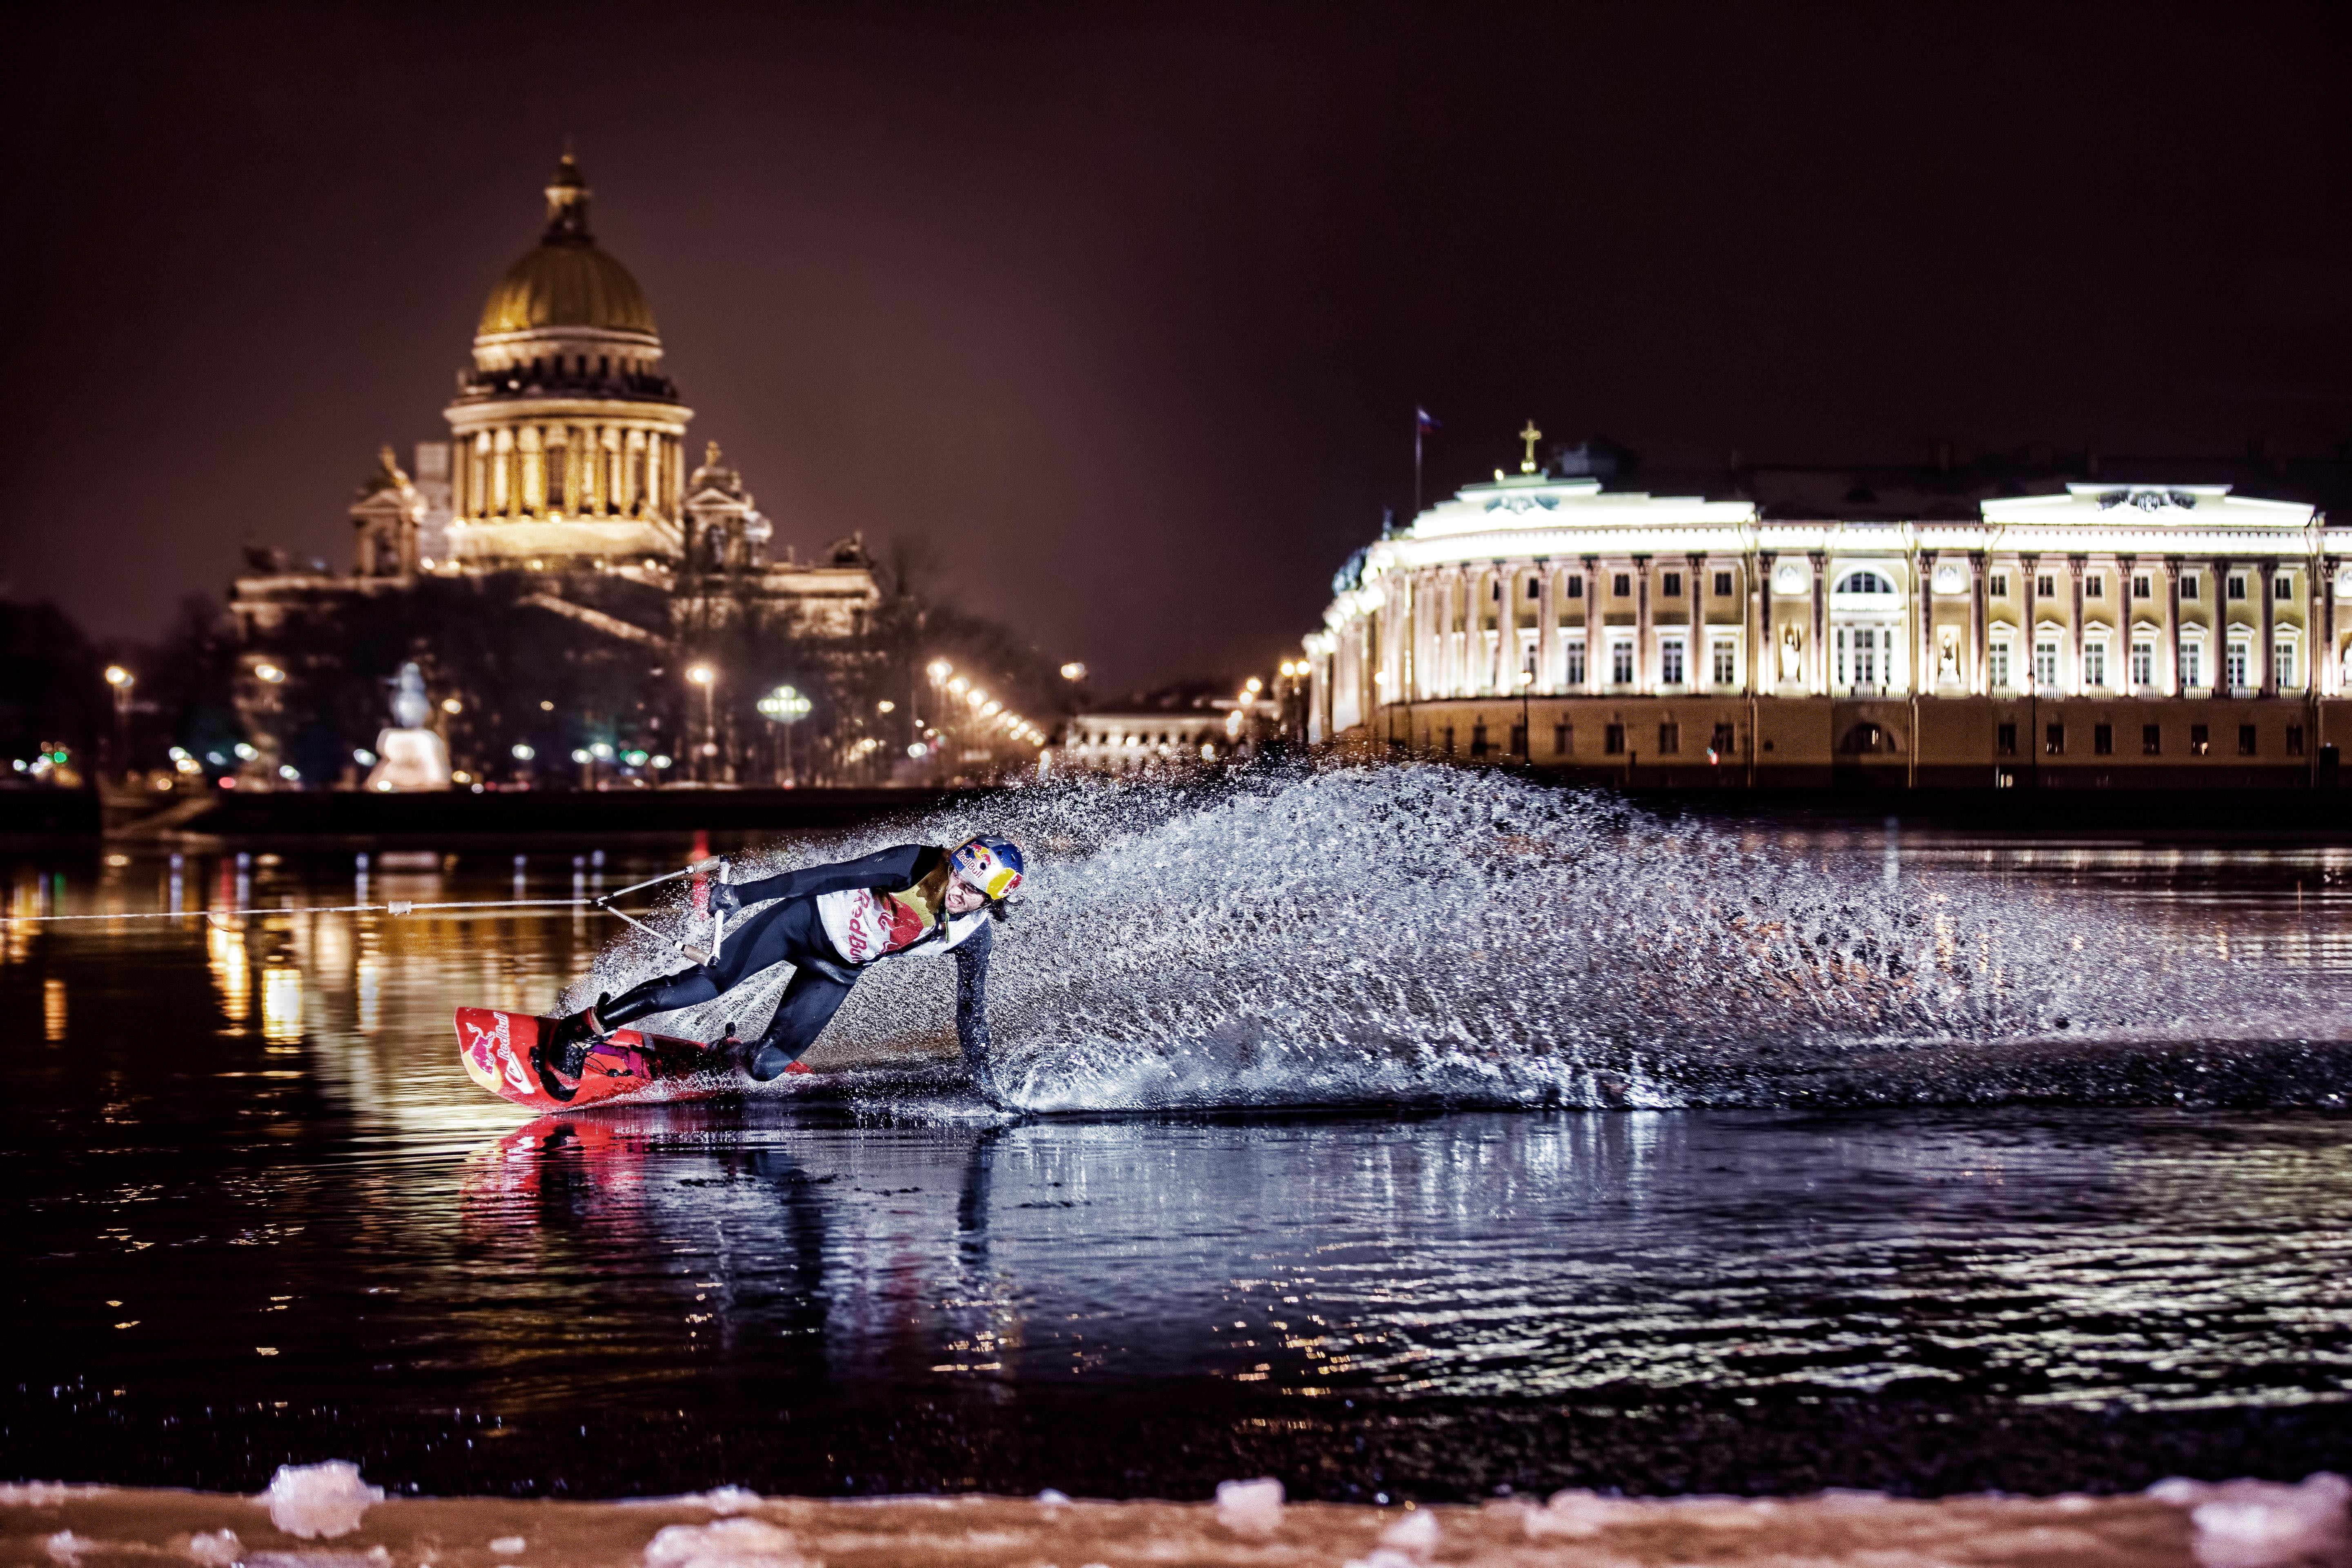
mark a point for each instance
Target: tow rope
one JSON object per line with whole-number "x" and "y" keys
{"x": 715, "y": 867}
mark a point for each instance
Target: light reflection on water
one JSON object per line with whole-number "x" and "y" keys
{"x": 256, "y": 1134}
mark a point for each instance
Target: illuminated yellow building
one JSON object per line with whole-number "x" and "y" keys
{"x": 2120, "y": 623}
{"x": 568, "y": 440}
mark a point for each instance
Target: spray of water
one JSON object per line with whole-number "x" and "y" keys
{"x": 1336, "y": 936}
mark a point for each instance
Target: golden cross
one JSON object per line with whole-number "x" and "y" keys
{"x": 1530, "y": 436}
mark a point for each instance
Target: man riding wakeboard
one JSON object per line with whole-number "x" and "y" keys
{"x": 829, "y": 922}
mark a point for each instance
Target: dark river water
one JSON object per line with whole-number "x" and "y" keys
{"x": 259, "y": 1215}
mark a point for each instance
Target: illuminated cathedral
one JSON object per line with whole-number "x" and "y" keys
{"x": 568, "y": 462}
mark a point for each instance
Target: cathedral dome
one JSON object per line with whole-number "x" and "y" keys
{"x": 566, "y": 281}
{"x": 567, "y": 286}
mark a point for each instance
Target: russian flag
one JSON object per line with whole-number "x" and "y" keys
{"x": 1424, "y": 421}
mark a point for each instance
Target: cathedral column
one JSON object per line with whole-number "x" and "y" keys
{"x": 2173, "y": 685}
{"x": 1591, "y": 602}
{"x": 2029, "y": 582}
{"x": 1819, "y": 683}
{"x": 2268, "y": 686}
{"x": 1644, "y": 682}
{"x": 2218, "y": 677}
{"x": 2326, "y": 651}
{"x": 1979, "y": 644}
{"x": 1698, "y": 648}
{"x": 2075, "y": 686}
{"x": 1546, "y": 632}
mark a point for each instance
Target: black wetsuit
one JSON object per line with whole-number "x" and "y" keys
{"x": 790, "y": 931}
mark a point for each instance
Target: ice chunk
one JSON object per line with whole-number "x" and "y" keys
{"x": 1415, "y": 1534}
{"x": 1384, "y": 1557}
{"x": 1252, "y": 1509}
{"x": 2263, "y": 1524}
{"x": 727, "y": 1543}
{"x": 508, "y": 1546}
{"x": 1050, "y": 1496}
{"x": 214, "y": 1548}
{"x": 67, "y": 1547}
{"x": 1577, "y": 1513}
{"x": 311, "y": 1501}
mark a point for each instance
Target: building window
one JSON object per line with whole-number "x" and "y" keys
{"x": 1534, "y": 587}
{"x": 2283, "y": 586}
{"x": 1620, "y": 663}
{"x": 2151, "y": 739}
{"x": 1561, "y": 737}
{"x": 2245, "y": 740}
{"x": 1670, "y": 739}
{"x": 2045, "y": 664}
{"x": 1614, "y": 741}
{"x": 1723, "y": 584}
{"x": 1671, "y": 584}
{"x": 1478, "y": 739}
{"x": 2095, "y": 586}
{"x": 1622, "y": 585}
{"x": 2143, "y": 670}
{"x": 2095, "y": 664}
{"x": 2294, "y": 740}
{"x": 1495, "y": 590}
{"x": 1575, "y": 663}
{"x": 2103, "y": 740}
{"x": 2192, "y": 665}
{"x": 2004, "y": 739}
{"x": 1726, "y": 663}
{"x": 2235, "y": 662}
{"x": 1857, "y": 655}
{"x": 1670, "y": 661}
{"x": 1998, "y": 586}
{"x": 1518, "y": 740}
{"x": 2283, "y": 663}
{"x": 1449, "y": 740}
{"x": 1576, "y": 587}
{"x": 2189, "y": 587}
{"x": 2200, "y": 740}
{"x": 2143, "y": 585}
{"x": 1721, "y": 743}
{"x": 2054, "y": 739}
{"x": 555, "y": 479}
{"x": 2237, "y": 585}
{"x": 1999, "y": 662}
{"x": 2046, "y": 586}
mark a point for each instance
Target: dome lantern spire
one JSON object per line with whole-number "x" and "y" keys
{"x": 567, "y": 205}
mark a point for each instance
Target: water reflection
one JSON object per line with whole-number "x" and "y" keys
{"x": 299, "y": 1164}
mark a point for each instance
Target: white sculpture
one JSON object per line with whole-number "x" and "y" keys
{"x": 1793, "y": 654}
{"x": 408, "y": 755}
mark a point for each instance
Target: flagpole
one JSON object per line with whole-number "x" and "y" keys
{"x": 1418, "y": 425}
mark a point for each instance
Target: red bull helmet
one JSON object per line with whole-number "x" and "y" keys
{"x": 990, "y": 864}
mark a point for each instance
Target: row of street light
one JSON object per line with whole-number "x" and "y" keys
{"x": 990, "y": 713}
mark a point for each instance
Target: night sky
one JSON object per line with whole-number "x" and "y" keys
{"x": 1123, "y": 311}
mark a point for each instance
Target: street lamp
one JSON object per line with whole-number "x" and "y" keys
{"x": 122, "y": 680}
{"x": 704, "y": 677}
{"x": 787, "y": 707}
{"x": 1073, "y": 671}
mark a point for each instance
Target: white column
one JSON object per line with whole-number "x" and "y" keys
{"x": 1547, "y": 633}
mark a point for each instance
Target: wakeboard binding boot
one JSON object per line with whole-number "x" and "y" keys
{"x": 564, "y": 1053}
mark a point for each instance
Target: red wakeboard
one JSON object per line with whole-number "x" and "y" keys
{"x": 495, "y": 1048}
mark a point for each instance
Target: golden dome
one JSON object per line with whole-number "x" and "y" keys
{"x": 565, "y": 280}
{"x": 567, "y": 285}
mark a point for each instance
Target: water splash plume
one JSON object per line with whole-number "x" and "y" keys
{"x": 1305, "y": 936}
